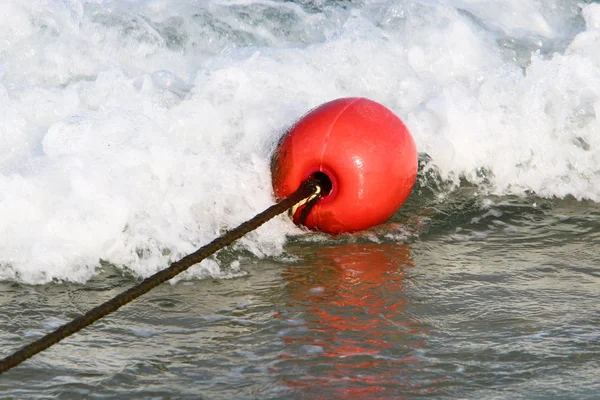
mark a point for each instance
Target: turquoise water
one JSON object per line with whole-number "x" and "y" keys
{"x": 134, "y": 132}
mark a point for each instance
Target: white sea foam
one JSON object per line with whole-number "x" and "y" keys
{"x": 136, "y": 131}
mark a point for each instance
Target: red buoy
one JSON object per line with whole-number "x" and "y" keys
{"x": 362, "y": 153}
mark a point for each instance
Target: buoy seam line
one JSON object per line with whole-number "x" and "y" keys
{"x": 330, "y": 129}
{"x": 306, "y": 190}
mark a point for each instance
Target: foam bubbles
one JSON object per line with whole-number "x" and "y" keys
{"x": 136, "y": 131}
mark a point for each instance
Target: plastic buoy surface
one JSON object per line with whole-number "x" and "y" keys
{"x": 363, "y": 153}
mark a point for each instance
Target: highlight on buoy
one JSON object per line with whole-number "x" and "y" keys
{"x": 361, "y": 153}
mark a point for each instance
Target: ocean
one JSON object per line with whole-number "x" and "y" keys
{"x": 133, "y": 132}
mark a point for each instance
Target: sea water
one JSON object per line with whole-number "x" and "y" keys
{"x": 134, "y": 132}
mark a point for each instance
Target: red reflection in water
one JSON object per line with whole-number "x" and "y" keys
{"x": 354, "y": 338}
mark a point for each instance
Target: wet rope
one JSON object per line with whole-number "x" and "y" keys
{"x": 306, "y": 190}
{"x": 308, "y": 204}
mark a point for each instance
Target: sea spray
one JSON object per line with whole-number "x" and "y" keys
{"x": 133, "y": 132}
